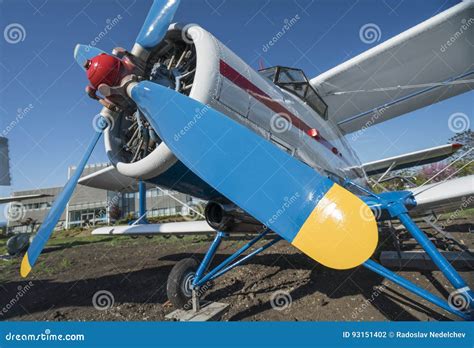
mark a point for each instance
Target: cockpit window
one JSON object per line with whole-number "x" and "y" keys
{"x": 316, "y": 102}
{"x": 287, "y": 75}
{"x": 269, "y": 73}
{"x": 295, "y": 81}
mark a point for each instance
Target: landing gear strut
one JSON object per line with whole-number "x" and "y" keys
{"x": 187, "y": 281}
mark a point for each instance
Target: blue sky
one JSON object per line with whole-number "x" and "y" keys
{"x": 39, "y": 74}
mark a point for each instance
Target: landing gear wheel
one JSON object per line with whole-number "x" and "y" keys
{"x": 179, "y": 285}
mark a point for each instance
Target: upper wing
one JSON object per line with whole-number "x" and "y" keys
{"x": 451, "y": 195}
{"x": 411, "y": 159}
{"x": 421, "y": 66}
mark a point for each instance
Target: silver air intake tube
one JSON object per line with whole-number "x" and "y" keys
{"x": 228, "y": 217}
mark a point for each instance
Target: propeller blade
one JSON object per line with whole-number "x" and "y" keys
{"x": 319, "y": 217}
{"x": 157, "y": 22}
{"x": 44, "y": 232}
{"x": 82, "y": 53}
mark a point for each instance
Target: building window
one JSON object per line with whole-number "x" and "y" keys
{"x": 164, "y": 212}
{"x": 128, "y": 204}
{"x": 152, "y": 213}
{"x": 84, "y": 217}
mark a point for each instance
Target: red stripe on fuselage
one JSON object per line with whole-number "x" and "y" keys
{"x": 241, "y": 81}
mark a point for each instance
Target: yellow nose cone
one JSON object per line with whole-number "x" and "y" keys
{"x": 341, "y": 231}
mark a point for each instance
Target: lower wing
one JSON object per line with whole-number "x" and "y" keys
{"x": 448, "y": 196}
{"x": 170, "y": 228}
{"x": 412, "y": 159}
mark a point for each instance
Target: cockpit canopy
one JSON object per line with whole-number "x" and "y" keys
{"x": 296, "y": 82}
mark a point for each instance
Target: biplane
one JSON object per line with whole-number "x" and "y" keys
{"x": 266, "y": 149}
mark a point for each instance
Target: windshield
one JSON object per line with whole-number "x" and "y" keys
{"x": 295, "y": 81}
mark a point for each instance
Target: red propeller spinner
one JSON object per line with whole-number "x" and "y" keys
{"x": 105, "y": 69}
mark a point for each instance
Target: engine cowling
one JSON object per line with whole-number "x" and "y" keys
{"x": 197, "y": 54}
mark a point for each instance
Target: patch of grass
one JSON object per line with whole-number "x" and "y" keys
{"x": 159, "y": 240}
{"x": 64, "y": 240}
{"x": 78, "y": 237}
{"x": 65, "y": 263}
{"x": 45, "y": 270}
{"x": 467, "y": 213}
{"x": 47, "y": 267}
{"x": 459, "y": 214}
{"x": 3, "y": 245}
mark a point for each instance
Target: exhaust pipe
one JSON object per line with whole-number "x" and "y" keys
{"x": 227, "y": 217}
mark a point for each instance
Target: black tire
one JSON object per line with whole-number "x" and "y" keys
{"x": 178, "y": 286}
{"x": 18, "y": 244}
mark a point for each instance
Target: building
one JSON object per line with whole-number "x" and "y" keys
{"x": 4, "y": 162}
{"x": 91, "y": 206}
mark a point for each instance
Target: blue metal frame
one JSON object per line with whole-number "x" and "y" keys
{"x": 448, "y": 270}
{"x": 394, "y": 205}
{"x": 228, "y": 263}
{"x": 209, "y": 256}
{"x": 141, "y": 203}
{"x": 384, "y": 272}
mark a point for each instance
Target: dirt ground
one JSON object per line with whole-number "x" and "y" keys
{"x": 279, "y": 284}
